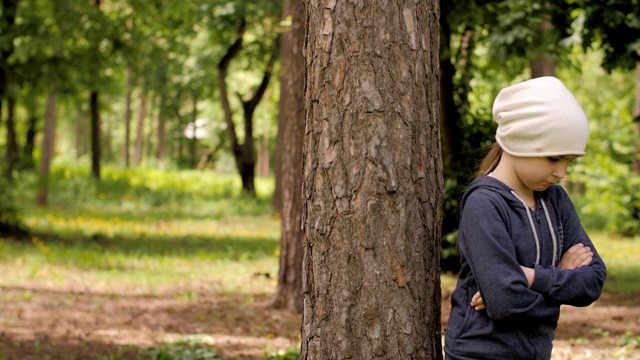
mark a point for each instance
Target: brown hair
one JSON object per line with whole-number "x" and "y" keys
{"x": 490, "y": 161}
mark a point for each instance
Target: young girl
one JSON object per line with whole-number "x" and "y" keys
{"x": 523, "y": 250}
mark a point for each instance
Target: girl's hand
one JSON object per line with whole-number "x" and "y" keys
{"x": 577, "y": 255}
{"x": 477, "y": 302}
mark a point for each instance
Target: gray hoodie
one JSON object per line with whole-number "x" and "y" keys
{"x": 497, "y": 234}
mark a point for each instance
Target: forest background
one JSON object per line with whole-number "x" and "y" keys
{"x": 144, "y": 120}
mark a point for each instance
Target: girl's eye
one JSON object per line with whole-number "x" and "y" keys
{"x": 554, "y": 159}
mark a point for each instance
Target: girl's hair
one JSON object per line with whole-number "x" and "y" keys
{"x": 490, "y": 161}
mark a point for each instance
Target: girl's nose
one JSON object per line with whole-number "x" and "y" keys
{"x": 560, "y": 169}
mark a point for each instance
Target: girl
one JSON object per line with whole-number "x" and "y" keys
{"x": 523, "y": 250}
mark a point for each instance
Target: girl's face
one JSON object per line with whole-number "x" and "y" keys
{"x": 539, "y": 173}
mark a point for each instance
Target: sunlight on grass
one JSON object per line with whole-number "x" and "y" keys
{"x": 144, "y": 231}
{"x": 622, "y": 257}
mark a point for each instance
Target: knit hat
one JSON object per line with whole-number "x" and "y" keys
{"x": 540, "y": 117}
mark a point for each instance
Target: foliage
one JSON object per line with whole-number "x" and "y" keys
{"x": 11, "y": 222}
{"x": 194, "y": 347}
{"x": 610, "y": 197}
{"x": 289, "y": 354}
{"x": 614, "y": 27}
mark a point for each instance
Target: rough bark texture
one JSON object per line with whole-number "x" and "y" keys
{"x": 291, "y": 128}
{"x": 372, "y": 181}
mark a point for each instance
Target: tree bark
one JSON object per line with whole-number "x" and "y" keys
{"x": 47, "y": 147}
{"x": 142, "y": 112}
{"x": 95, "y": 135}
{"x": 372, "y": 181}
{"x": 288, "y": 294}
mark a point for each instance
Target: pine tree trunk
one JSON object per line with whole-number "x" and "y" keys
{"x": 291, "y": 130}
{"x": 372, "y": 181}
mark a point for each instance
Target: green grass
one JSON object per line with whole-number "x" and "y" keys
{"x": 622, "y": 257}
{"x": 144, "y": 228}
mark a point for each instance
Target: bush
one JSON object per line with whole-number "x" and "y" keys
{"x": 10, "y": 218}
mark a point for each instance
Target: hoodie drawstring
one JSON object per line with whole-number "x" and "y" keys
{"x": 535, "y": 233}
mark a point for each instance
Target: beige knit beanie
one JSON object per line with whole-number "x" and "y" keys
{"x": 540, "y": 117}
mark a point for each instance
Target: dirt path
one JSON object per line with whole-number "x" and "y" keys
{"x": 47, "y": 323}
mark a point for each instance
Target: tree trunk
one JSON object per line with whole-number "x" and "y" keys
{"x": 291, "y": 132}
{"x": 30, "y": 136}
{"x": 140, "y": 129}
{"x": 543, "y": 64}
{"x": 244, "y": 153}
{"x": 372, "y": 181}
{"x": 193, "y": 143}
{"x": 82, "y": 134}
{"x": 161, "y": 131}
{"x": 47, "y": 147}
{"x": 11, "y": 154}
{"x": 263, "y": 160}
{"x": 636, "y": 124}
{"x": 127, "y": 120}
{"x": 95, "y": 135}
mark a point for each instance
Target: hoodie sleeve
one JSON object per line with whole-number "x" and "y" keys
{"x": 487, "y": 246}
{"x": 577, "y": 287}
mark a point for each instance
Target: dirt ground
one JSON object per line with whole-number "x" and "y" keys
{"x": 40, "y": 323}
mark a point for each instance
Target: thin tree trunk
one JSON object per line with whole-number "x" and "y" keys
{"x": 263, "y": 157}
{"x": 81, "y": 136}
{"x": 140, "y": 129}
{"x": 11, "y": 154}
{"x": 636, "y": 124}
{"x": 127, "y": 120}
{"x": 96, "y": 131}
{"x": 291, "y": 134}
{"x": 47, "y": 147}
{"x": 30, "y": 136}
{"x": 372, "y": 181}
{"x": 95, "y": 135}
{"x": 543, "y": 64}
{"x": 193, "y": 144}
{"x": 161, "y": 132}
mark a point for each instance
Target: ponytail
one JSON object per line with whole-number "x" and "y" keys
{"x": 490, "y": 162}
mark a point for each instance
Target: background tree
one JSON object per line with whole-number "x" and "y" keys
{"x": 372, "y": 181}
{"x": 244, "y": 152}
{"x": 289, "y": 169}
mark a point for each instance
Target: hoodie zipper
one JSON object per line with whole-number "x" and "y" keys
{"x": 533, "y": 228}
